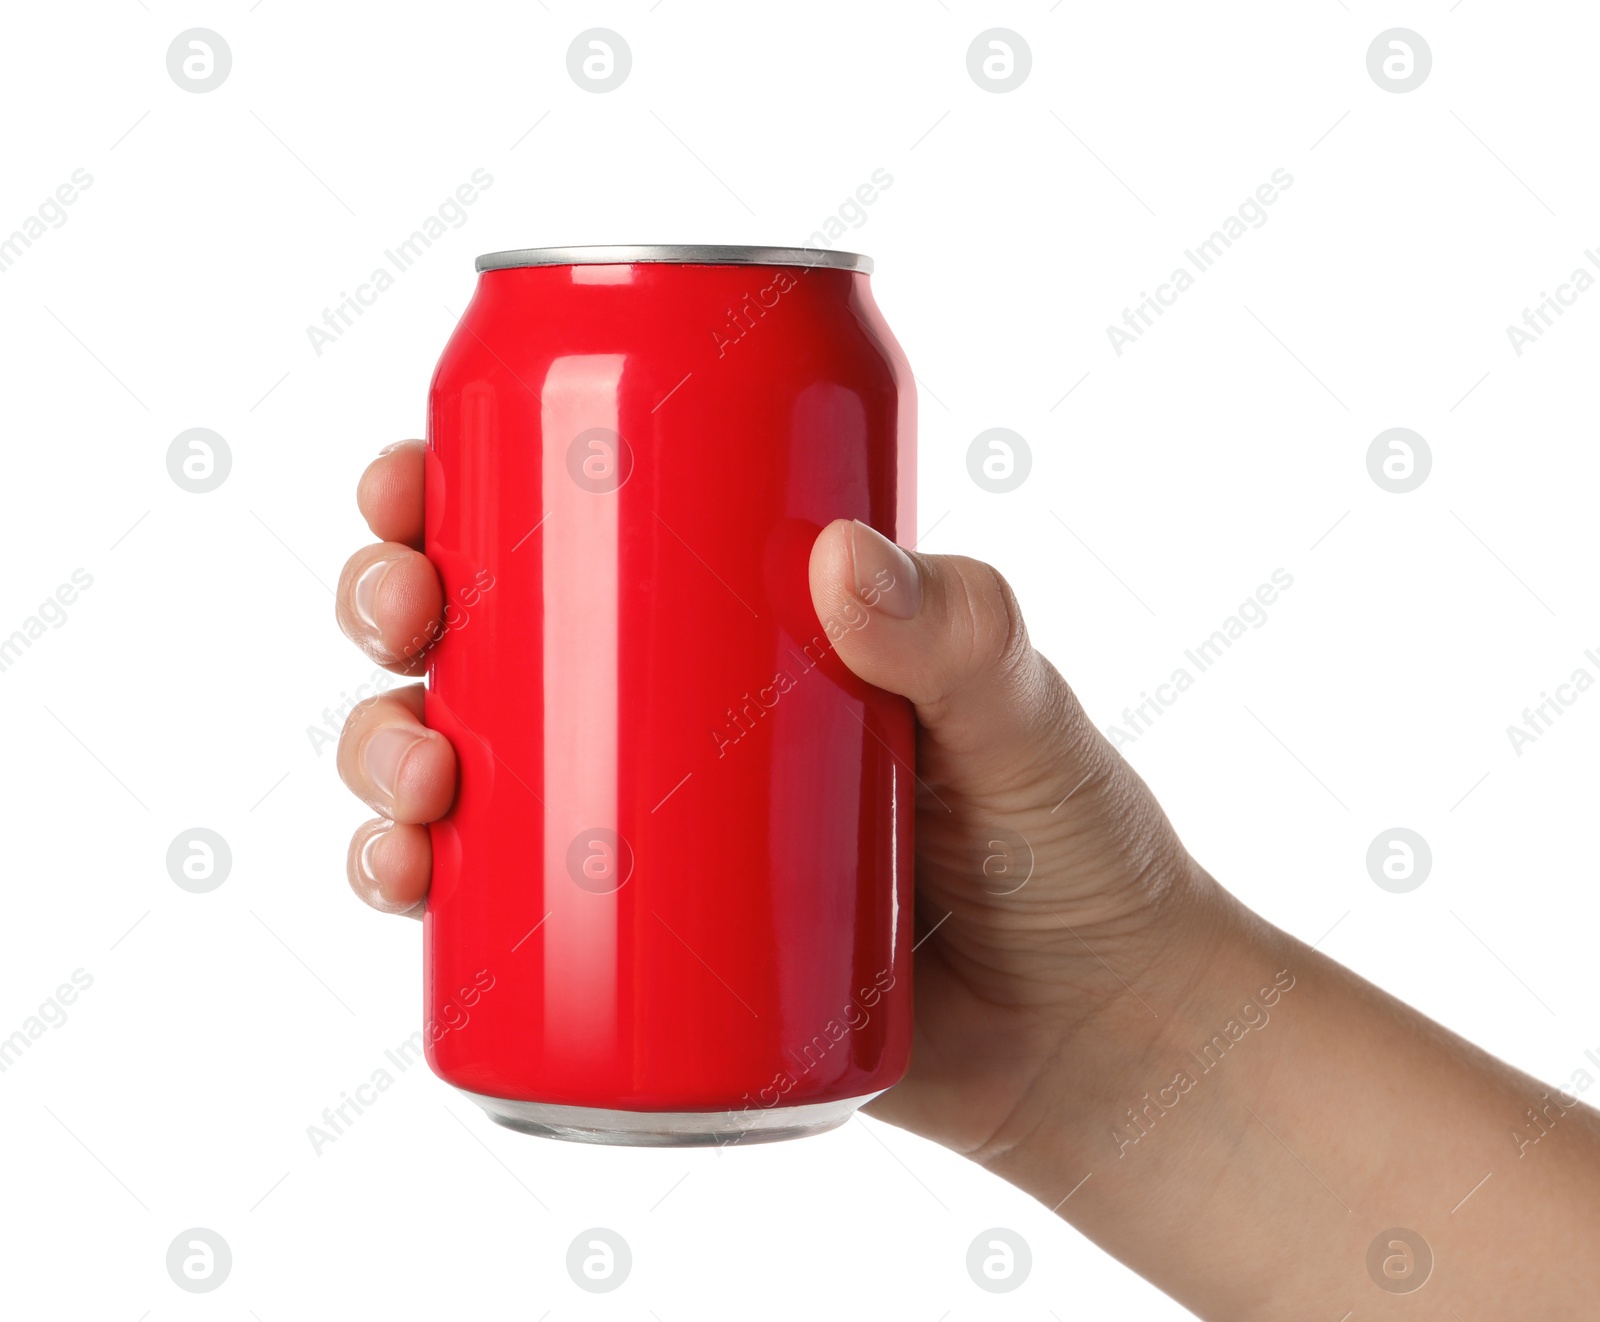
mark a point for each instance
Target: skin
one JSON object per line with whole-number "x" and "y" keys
{"x": 1060, "y": 1026}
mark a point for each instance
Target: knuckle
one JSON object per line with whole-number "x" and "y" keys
{"x": 996, "y": 640}
{"x": 359, "y": 714}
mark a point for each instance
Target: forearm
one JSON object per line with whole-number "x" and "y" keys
{"x": 1243, "y": 1127}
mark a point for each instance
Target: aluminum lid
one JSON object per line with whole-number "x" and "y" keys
{"x": 683, "y": 254}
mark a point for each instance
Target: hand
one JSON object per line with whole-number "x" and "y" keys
{"x": 388, "y": 600}
{"x": 1062, "y": 1009}
{"x": 1049, "y": 882}
{"x": 1008, "y": 766}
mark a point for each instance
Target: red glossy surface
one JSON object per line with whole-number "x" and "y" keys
{"x": 644, "y": 659}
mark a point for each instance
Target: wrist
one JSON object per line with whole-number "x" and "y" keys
{"x": 1131, "y": 1062}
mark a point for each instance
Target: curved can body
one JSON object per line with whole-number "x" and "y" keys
{"x": 672, "y": 901}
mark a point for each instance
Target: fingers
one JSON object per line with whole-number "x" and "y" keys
{"x": 389, "y": 600}
{"x": 393, "y": 762}
{"x": 390, "y": 604}
{"x": 389, "y": 866}
{"x": 389, "y": 494}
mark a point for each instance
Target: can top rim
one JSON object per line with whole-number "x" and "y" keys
{"x": 683, "y": 254}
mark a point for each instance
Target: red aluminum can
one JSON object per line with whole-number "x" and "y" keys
{"x": 672, "y": 903}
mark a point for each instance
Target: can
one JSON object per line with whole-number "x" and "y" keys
{"x": 672, "y": 902}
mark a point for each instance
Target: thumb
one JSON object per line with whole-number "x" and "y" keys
{"x": 1003, "y": 740}
{"x": 946, "y": 632}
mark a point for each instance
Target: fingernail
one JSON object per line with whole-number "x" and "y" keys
{"x": 366, "y": 591}
{"x": 886, "y": 577}
{"x": 385, "y": 750}
{"x": 368, "y": 846}
{"x": 370, "y": 886}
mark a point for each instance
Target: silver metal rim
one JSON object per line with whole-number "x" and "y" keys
{"x": 668, "y": 1129}
{"x": 682, "y": 254}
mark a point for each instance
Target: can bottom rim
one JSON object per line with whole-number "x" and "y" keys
{"x": 669, "y": 1129}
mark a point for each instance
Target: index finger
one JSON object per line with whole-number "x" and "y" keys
{"x": 389, "y": 494}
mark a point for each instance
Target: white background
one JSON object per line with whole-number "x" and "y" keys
{"x": 1225, "y": 444}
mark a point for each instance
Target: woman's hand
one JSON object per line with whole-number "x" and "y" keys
{"x": 1048, "y": 880}
{"x": 1234, "y": 1115}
